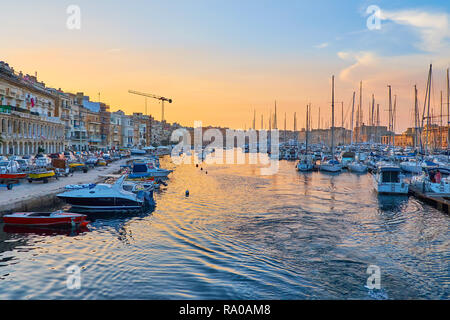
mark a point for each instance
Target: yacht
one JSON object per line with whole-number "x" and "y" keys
{"x": 143, "y": 169}
{"x": 330, "y": 165}
{"x": 411, "y": 166}
{"x": 347, "y": 157}
{"x": 107, "y": 198}
{"x": 306, "y": 163}
{"x": 390, "y": 180}
{"x": 432, "y": 182}
{"x": 357, "y": 167}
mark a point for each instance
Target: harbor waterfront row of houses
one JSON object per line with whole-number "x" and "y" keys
{"x": 34, "y": 117}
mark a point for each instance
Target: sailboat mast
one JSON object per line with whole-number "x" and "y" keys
{"x": 429, "y": 102}
{"x": 448, "y": 108}
{"x": 416, "y": 116}
{"x": 394, "y": 112}
{"x": 442, "y": 123}
{"x": 332, "y": 117}
{"x": 360, "y": 111}
{"x": 307, "y": 128}
{"x": 378, "y": 123}
{"x": 275, "y": 125}
{"x": 390, "y": 114}
{"x": 353, "y": 112}
{"x": 318, "y": 120}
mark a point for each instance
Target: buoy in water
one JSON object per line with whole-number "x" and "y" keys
{"x": 187, "y": 193}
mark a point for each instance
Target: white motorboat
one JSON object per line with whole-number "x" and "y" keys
{"x": 347, "y": 157}
{"x": 357, "y": 167}
{"x": 390, "y": 180}
{"x": 107, "y": 198}
{"x": 331, "y": 166}
{"x": 411, "y": 166}
{"x": 431, "y": 183}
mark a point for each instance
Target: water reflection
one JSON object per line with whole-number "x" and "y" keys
{"x": 240, "y": 235}
{"x": 392, "y": 203}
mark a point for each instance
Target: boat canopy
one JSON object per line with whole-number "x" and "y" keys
{"x": 390, "y": 169}
{"x": 348, "y": 154}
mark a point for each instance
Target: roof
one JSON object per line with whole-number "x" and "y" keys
{"x": 389, "y": 168}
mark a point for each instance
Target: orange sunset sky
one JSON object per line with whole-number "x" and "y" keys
{"x": 219, "y": 62}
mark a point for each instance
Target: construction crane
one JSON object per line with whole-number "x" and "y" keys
{"x": 148, "y": 95}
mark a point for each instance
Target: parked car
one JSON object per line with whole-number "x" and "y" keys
{"x": 24, "y": 164}
{"x": 92, "y": 161}
{"x": 9, "y": 166}
{"x": 42, "y": 161}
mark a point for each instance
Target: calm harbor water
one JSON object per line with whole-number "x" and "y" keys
{"x": 240, "y": 235}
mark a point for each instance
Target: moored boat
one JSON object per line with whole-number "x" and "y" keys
{"x": 107, "y": 198}
{"x": 58, "y": 218}
{"x": 390, "y": 180}
{"x": 331, "y": 166}
{"x": 357, "y": 167}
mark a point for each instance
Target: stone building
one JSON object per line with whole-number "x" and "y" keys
{"x": 29, "y": 117}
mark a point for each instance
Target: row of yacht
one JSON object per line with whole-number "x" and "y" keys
{"x": 394, "y": 171}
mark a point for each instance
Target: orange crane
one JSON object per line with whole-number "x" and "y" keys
{"x": 148, "y": 95}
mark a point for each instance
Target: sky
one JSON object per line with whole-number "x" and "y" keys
{"x": 221, "y": 60}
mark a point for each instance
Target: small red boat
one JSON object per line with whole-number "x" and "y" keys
{"x": 13, "y": 175}
{"x": 58, "y": 218}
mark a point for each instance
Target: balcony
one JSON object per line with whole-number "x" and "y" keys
{"x": 95, "y": 139}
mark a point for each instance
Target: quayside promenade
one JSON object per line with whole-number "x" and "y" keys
{"x": 32, "y": 196}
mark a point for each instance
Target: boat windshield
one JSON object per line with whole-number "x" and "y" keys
{"x": 391, "y": 176}
{"x": 139, "y": 168}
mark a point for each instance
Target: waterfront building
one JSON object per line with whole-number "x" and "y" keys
{"x": 115, "y": 137}
{"x": 432, "y": 137}
{"x": 142, "y": 126}
{"x": 372, "y": 134}
{"x": 29, "y": 116}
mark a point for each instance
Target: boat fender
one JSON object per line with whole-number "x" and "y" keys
{"x": 84, "y": 223}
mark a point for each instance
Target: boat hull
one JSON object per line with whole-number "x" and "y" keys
{"x": 358, "y": 168}
{"x": 304, "y": 167}
{"x": 25, "y": 219}
{"x": 391, "y": 187}
{"x": 330, "y": 168}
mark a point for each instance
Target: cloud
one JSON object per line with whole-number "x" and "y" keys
{"x": 363, "y": 59}
{"x": 322, "y": 45}
{"x": 433, "y": 27}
